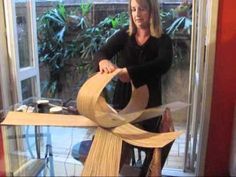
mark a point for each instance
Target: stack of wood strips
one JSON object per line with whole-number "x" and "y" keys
{"x": 104, "y": 155}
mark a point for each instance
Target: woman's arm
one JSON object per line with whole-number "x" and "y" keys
{"x": 111, "y": 48}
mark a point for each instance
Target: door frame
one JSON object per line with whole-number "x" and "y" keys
{"x": 19, "y": 74}
{"x": 207, "y": 31}
{"x": 208, "y": 76}
{"x": 203, "y": 46}
{"x": 5, "y": 90}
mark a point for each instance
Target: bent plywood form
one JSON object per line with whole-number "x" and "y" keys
{"x": 22, "y": 118}
{"x": 93, "y": 106}
{"x": 142, "y": 138}
{"x": 90, "y": 103}
{"x": 104, "y": 156}
{"x": 157, "y": 111}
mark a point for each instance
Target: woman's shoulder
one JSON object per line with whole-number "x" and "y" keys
{"x": 164, "y": 39}
{"x": 120, "y": 34}
{"x": 165, "y": 36}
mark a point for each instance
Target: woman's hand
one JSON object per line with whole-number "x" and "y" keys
{"x": 124, "y": 75}
{"x": 105, "y": 66}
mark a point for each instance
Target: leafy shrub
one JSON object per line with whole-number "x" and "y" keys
{"x": 68, "y": 38}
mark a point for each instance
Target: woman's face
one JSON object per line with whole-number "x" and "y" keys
{"x": 140, "y": 13}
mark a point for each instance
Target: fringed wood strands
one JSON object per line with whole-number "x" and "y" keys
{"x": 104, "y": 156}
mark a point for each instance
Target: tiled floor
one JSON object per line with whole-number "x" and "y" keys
{"x": 176, "y": 155}
{"x": 175, "y": 158}
{"x": 63, "y": 140}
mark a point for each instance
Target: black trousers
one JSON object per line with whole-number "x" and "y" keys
{"x": 151, "y": 125}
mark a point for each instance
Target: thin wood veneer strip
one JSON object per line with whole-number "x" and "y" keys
{"x": 41, "y": 119}
{"x": 91, "y": 104}
{"x": 142, "y": 138}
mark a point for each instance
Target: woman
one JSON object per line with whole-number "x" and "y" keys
{"x": 145, "y": 54}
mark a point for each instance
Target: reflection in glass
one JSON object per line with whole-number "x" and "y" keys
{"x": 45, "y": 152}
{"x": 27, "y": 87}
{"x": 23, "y": 33}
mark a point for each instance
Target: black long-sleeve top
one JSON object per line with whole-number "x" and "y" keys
{"x": 145, "y": 64}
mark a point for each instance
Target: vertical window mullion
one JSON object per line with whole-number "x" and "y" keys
{"x": 10, "y": 16}
{"x": 35, "y": 46}
{"x": 18, "y": 71}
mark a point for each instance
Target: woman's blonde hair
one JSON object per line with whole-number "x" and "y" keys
{"x": 155, "y": 22}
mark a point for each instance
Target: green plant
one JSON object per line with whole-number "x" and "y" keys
{"x": 64, "y": 36}
{"x": 56, "y": 30}
{"x": 177, "y": 24}
{"x": 85, "y": 8}
{"x": 68, "y": 39}
{"x": 91, "y": 39}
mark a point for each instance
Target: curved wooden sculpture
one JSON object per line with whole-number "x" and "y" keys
{"x": 91, "y": 104}
{"x": 113, "y": 127}
{"x": 106, "y": 147}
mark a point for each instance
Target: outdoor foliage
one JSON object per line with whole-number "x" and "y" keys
{"x": 68, "y": 35}
{"x": 177, "y": 24}
{"x": 64, "y": 35}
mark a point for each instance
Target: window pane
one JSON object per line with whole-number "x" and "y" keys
{"x": 27, "y": 87}
{"x": 23, "y": 33}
